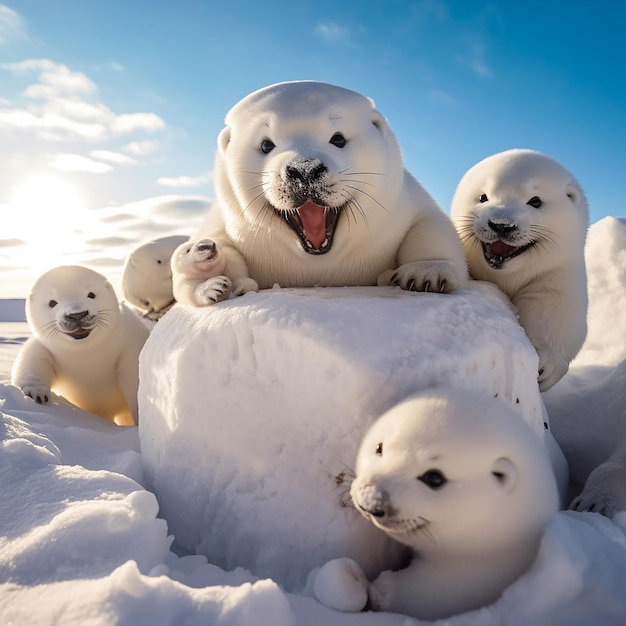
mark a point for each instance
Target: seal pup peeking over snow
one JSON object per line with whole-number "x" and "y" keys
{"x": 523, "y": 220}
{"x": 311, "y": 191}
{"x": 85, "y": 345}
{"x": 198, "y": 268}
{"x": 147, "y": 276}
{"x": 461, "y": 479}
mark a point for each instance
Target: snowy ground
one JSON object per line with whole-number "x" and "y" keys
{"x": 81, "y": 543}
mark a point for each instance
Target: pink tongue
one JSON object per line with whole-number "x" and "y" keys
{"x": 499, "y": 248}
{"x": 313, "y": 217}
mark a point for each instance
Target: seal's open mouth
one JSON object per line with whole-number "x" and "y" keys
{"x": 497, "y": 253}
{"x": 314, "y": 224}
{"x": 79, "y": 333}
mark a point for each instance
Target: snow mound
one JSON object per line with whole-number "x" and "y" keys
{"x": 605, "y": 257}
{"x": 252, "y": 411}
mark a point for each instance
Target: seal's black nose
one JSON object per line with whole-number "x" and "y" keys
{"x": 502, "y": 228}
{"x": 305, "y": 171}
{"x": 77, "y": 316}
{"x": 206, "y": 247}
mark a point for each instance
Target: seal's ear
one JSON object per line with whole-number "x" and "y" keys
{"x": 505, "y": 473}
{"x": 572, "y": 193}
{"x": 380, "y": 122}
{"x": 223, "y": 139}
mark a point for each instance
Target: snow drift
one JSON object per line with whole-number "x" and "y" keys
{"x": 252, "y": 411}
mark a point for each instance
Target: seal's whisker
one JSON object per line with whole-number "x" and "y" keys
{"x": 259, "y": 195}
{"x": 369, "y": 196}
{"x": 358, "y": 173}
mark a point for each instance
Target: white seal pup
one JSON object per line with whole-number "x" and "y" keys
{"x": 461, "y": 479}
{"x": 198, "y": 269}
{"x": 147, "y": 276}
{"x": 85, "y": 345}
{"x": 311, "y": 191}
{"x": 523, "y": 221}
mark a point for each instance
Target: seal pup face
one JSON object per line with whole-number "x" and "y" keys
{"x": 303, "y": 157}
{"x": 71, "y": 304}
{"x": 454, "y": 472}
{"x": 147, "y": 275}
{"x": 516, "y": 208}
{"x": 198, "y": 259}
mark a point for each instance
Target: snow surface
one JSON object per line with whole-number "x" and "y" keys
{"x": 268, "y": 397}
{"x": 81, "y": 543}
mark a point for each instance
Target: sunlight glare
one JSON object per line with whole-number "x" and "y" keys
{"x": 46, "y": 213}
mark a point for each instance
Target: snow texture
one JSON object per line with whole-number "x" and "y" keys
{"x": 81, "y": 542}
{"x": 268, "y": 397}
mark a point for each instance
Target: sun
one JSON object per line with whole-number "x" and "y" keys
{"x": 46, "y": 213}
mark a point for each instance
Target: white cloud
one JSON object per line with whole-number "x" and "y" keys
{"x": 61, "y": 105}
{"x": 331, "y": 32}
{"x": 129, "y": 122}
{"x": 12, "y": 26}
{"x": 141, "y": 148}
{"x": 79, "y": 163}
{"x": 112, "y": 157}
{"x": 49, "y": 125}
{"x": 186, "y": 181}
{"x": 58, "y": 78}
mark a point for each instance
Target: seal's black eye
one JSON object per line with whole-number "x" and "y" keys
{"x": 535, "y": 201}
{"x": 159, "y": 262}
{"x": 483, "y": 198}
{"x": 52, "y": 303}
{"x": 379, "y": 448}
{"x": 267, "y": 146}
{"x": 433, "y": 478}
{"x": 338, "y": 140}
{"x": 91, "y": 295}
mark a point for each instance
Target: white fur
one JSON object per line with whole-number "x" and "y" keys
{"x": 605, "y": 488}
{"x": 389, "y": 230}
{"x": 198, "y": 268}
{"x": 97, "y": 372}
{"x": 473, "y": 535}
{"x": 547, "y": 282}
{"x": 147, "y": 276}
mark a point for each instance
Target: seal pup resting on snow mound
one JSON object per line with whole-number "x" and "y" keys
{"x": 461, "y": 479}
{"x": 523, "y": 220}
{"x": 311, "y": 191}
{"x": 198, "y": 268}
{"x": 147, "y": 277}
{"x": 85, "y": 345}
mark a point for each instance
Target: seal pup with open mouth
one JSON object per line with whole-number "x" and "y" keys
{"x": 311, "y": 191}
{"x": 85, "y": 345}
{"x": 523, "y": 218}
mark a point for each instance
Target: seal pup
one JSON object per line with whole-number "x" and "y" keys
{"x": 198, "y": 268}
{"x": 85, "y": 345}
{"x": 311, "y": 191}
{"x": 147, "y": 276}
{"x": 462, "y": 480}
{"x": 523, "y": 218}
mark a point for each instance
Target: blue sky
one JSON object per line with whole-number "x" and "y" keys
{"x": 123, "y": 100}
